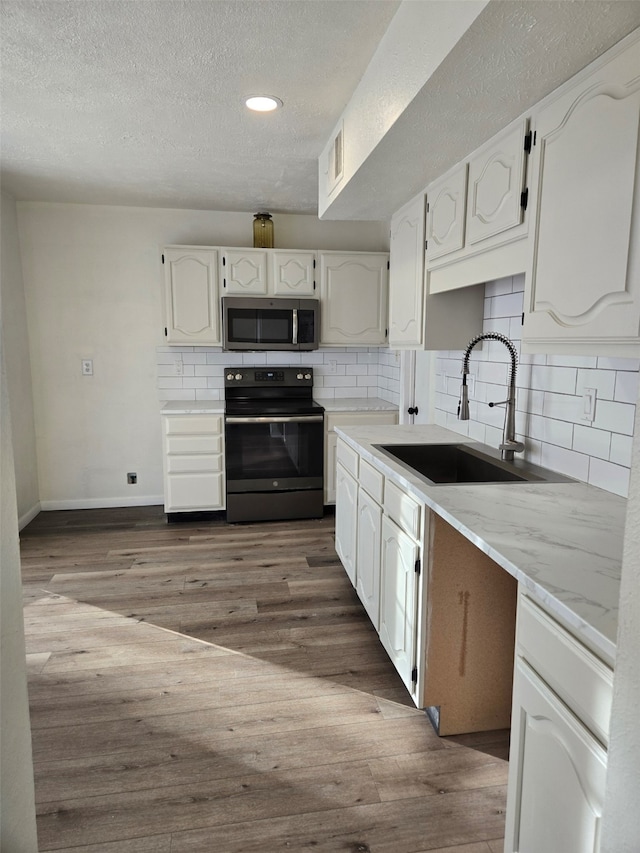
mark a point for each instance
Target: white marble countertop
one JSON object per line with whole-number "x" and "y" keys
{"x": 356, "y": 404}
{"x": 563, "y": 541}
{"x": 193, "y": 407}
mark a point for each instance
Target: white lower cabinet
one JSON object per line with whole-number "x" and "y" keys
{"x": 334, "y": 419}
{"x": 346, "y": 520}
{"x": 559, "y": 730}
{"x": 368, "y": 538}
{"x": 398, "y": 599}
{"x": 193, "y": 457}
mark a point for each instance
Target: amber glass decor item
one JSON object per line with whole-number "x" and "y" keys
{"x": 263, "y": 231}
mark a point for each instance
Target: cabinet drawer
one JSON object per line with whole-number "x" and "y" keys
{"x": 198, "y": 464}
{"x": 194, "y": 444}
{"x": 403, "y": 509}
{"x": 371, "y": 480}
{"x": 348, "y": 458}
{"x": 192, "y": 424}
{"x": 194, "y": 492}
{"x": 578, "y": 677}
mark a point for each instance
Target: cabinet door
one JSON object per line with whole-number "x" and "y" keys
{"x": 368, "y": 555}
{"x": 346, "y": 520}
{"x": 353, "y": 290}
{"x": 330, "y": 468}
{"x": 496, "y": 182}
{"x": 191, "y": 296}
{"x": 584, "y": 286}
{"x": 244, "y": 272}
{"x": 557, "y": 774}
{"x": 446, "y": 205}
{"x": 398, "y": 599}
{"x": 293, "y": 273}
{"x": 406, "y": 284}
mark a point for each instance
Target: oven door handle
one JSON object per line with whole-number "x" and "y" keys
{"x": 295, "y": 326}
{"x": 277, "y": 419}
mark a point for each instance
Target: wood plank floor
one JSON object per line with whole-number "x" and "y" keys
{"x": 213, "y": 688}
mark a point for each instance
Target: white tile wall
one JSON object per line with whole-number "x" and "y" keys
{"x": 353, "y": 372}
{"x": 549, "y": 398}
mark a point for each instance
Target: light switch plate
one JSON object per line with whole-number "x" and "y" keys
{"x": 589, "y": 404}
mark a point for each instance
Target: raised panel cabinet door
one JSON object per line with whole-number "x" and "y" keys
{"x": 446, "y": 206}
{"x": 293, "y": 273}
{"x": 354, "y": 292}
{"x": 406, "y": 275}
{"x": 557, "y": 773}
{"x": 496, "y": 182}
{"x": 330, "y": 468}
{"x": 244, "y": 272}
{"x": 346, "y": 521}
{"x": 369, "y": 530}
{"x": 584, "y": 285}
{"x": 191, "y": 296}
{"x": 398, "y": 599}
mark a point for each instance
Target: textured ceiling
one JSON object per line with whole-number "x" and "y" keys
{"x": 140, "y": 102}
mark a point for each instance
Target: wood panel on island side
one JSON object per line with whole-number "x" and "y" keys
{"x": 210, "y": 687}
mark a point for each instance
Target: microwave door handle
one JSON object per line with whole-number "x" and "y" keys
{"x": 295, "y": 326}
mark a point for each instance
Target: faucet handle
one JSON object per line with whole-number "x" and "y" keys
{"x": 511, "y": 444}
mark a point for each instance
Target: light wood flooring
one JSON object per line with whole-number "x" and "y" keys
{"x": 213, "y": 688}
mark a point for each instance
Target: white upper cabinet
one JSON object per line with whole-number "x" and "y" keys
{"x": 353, "y": 292}
{"x": 495, "y": 185}
{"x": 191, "y": 296}
{"x": 583, "y": 293}
{"x": 244, "y": 272}
{"x": 406, "y": 275}
{"x": 292, "y": 273}
{"x": 446, "y": 206}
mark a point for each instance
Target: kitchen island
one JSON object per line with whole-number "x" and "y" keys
{"x": 443, "y": 570}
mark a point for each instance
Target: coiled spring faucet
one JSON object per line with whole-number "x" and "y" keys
{"x": 509, "y": 444}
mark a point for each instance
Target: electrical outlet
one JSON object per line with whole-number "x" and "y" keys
{"x": 178, "y": 366}
{"x": 87, "y": 367}
{"x": 132, "y": 478}
{"x": 332, "y": 366}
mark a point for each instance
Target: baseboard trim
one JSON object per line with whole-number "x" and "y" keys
{"x": 102, "y": 503}
{"x": 29, "y": 516}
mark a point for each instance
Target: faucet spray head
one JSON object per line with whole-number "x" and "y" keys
{"x": 463, "y": 404}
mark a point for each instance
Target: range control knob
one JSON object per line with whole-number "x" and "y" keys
{"x": 307, "y": 376}
{"x": 229, "y": 376}
{"x": 299, "y": 376}
{"x": 238, "y": 376}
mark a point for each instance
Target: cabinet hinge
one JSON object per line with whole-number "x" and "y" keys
{"x": 314, "y": 263}
{"x": 165, "y": 331}
{"x": 427, "y": 207}
{"x": 163, "y": 259}
{"x": 386, "y": 333}
{"x": 528, "y": 142}
{"x": 524, "y": 198}
{"x": 314, "y": 285}
{"x": 224, "y": 282}
{"x": 387, "y": 264}
{"x": 426, "y": 245}
{"x": 522, "y": 321}
{"x": 224, "y": 261}
{"x": 414, "y": 674}
{"x": 418, "y": 566}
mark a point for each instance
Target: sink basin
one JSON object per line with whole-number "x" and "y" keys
{"x": 461, "y": 463}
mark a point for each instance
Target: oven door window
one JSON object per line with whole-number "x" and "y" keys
{"x": 260, "y": 326}
{"x": 274, "y": 456}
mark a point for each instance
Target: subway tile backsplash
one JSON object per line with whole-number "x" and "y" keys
{"x": 196, "y": 373}
{"x": 550, "y": 415}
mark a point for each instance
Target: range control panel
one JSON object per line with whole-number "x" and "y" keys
{"x": 285, "y": 377}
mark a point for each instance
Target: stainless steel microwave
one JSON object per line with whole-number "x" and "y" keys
{"x": 263, "y": 323}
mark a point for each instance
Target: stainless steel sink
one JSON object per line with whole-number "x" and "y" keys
{"x": 461, "y": 463}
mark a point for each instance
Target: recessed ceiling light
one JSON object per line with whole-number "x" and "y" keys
{"x": 263, "y": 103}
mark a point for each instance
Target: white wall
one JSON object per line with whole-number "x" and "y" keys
{"x": 92, "y": 279}
{"x": 549, "y": 398}
{"x": 18, "y": 364}
{"x": 17, "y": 800}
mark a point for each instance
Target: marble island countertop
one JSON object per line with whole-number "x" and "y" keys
{"x": 563, "y": 541}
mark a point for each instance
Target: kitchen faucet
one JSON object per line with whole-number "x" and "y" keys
{"x": 509, "y": 445}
